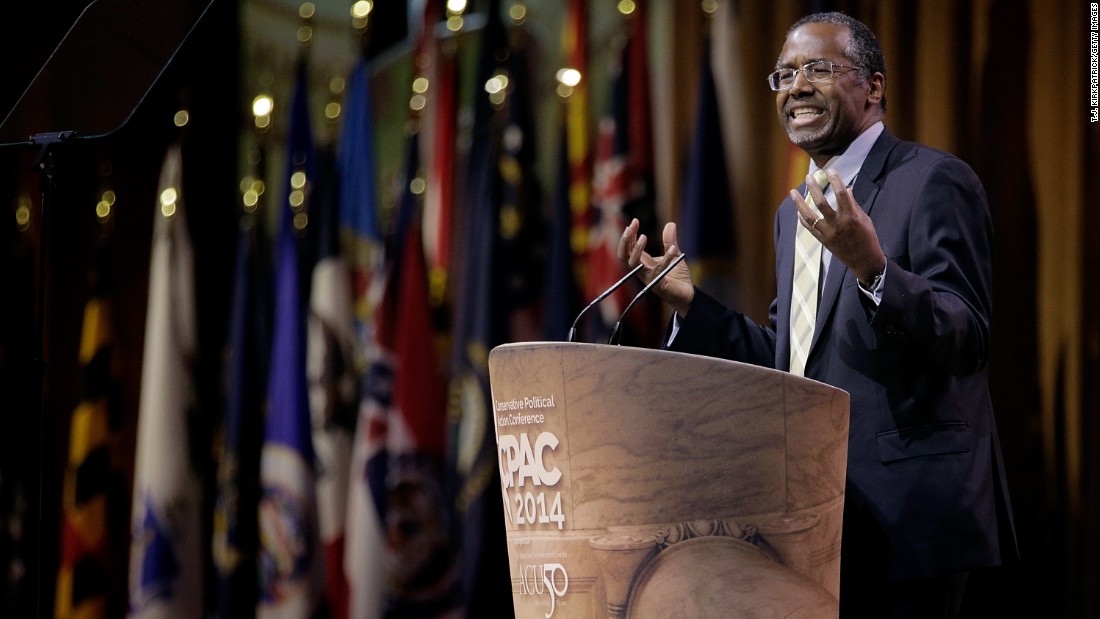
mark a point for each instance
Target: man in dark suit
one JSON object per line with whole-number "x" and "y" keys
{"x": 900, "y": 320}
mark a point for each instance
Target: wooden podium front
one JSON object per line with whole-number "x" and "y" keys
{"x": 649, "y": 483}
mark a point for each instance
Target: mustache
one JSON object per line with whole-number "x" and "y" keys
{"x": 813, "y": 99}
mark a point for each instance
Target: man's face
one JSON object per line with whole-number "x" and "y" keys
{"x": 822, "y": 118}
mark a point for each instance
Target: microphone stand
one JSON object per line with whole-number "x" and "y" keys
{"x": 45, "y": 164}
{"x": 617, "y": 331}
{"x": 131, "y": 42}
{"x": 596, "y": 301}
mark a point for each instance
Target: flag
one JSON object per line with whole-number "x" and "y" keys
{"x": 438, "y": 59}
{"x": 575, "y": 47}
{"x": 90, "y": 488}
{"x": 706, "y": 218}
{"x": 333, "y": 382}
{"x": 417, "y": 519}
{"x": 399, "y": 540}
{"x": 364, "y": 555}
{"x": 559, "y": 292}
{"x": 363, "y": 245}
{"x": 166, "y": 551}
{"x": 518, "y": 220}
{"x": 290, "y": 560}
{"x": 360, "y": 229}
{"x": 355, "y": 156}
{"x": 481, "y": 324}
{"x": 235, "y": 541}
{"x": 623, "y": 190}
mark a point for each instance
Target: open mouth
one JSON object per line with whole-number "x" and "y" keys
{"x": 803, "y": 115}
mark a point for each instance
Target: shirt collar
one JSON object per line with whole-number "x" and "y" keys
{"x": 848, "y": 163}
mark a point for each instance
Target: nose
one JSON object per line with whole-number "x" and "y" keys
{"x": 801, "y": 84}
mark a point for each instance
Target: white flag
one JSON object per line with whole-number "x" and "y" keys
{"x": 165, "y": 576}
{"x": 330, "y": 366}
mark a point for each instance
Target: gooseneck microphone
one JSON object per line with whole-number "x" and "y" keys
{"x": 617, "y": 332}
{"x": 603, "y": 295}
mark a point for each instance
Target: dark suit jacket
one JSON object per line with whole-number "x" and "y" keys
{"x": 926, "y": 492}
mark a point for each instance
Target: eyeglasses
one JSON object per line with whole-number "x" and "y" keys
{"x": 816, "y": 71}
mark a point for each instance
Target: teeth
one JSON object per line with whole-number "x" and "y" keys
{"x": 804, "y": 112}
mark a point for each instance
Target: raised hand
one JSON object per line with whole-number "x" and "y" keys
{"x": 676, "y": 288}
{"x": 846, "y": 231}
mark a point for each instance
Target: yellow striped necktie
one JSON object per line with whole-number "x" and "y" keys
{"x": 805, "y": 287}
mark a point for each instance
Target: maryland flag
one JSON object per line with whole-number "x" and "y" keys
{"x": 90, "y": 487}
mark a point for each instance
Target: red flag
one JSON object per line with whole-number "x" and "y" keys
{"x": 420, "y": 568}
{"x": 420, "y": 390}
{"x": 623, "y": 184}
{"x": 438, "y": 61}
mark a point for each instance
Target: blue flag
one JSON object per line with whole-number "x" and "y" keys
{"x": 236, "y": 534}
{"x": 560, "y": 292}
{"x": 289, "y": 558}
{"x": 706, "y": 218}
{"x": 482, "y": 320}
{"x": 355, "y": 156}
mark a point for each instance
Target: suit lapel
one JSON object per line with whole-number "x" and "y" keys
{"x": 865, "y": 190}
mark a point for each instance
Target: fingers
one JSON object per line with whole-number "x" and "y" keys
{"x": 638, "y": 254}
{"x": 824, "y": 213}
{"x": 627, "y": 242}
{"x": 844, "y": 200}
{"x": 668, "y": 236}
{"x": 676, "y": 288}
{"x": 631, "y": 248}
{"x": 817, "y": 193}
{"x": 806, "y": 215}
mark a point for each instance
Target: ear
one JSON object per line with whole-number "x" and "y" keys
{"x": 876, "y": 88}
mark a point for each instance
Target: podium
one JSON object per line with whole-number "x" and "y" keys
{"x": 650, "y": 483}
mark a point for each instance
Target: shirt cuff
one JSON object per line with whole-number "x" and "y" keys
{"x": 874, "y": 295}
{"x": 674, "y": 330}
